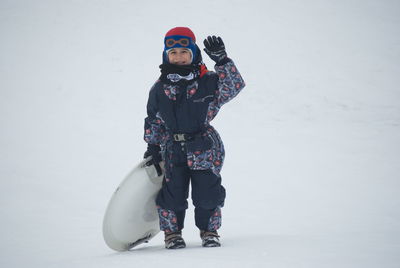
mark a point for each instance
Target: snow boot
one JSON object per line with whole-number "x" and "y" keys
{"x": 210, "y": 239}
{"x": 174, "y": 240}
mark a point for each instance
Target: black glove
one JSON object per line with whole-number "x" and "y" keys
{"x": 215, "y": 48}
{"x": 154, "y": 151}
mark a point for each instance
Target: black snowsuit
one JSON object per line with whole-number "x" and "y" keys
{"x": 179, "y": 121}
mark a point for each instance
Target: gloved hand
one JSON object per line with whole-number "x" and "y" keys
{"x": 215, "y": 48}
{"x": 154, "y": 151}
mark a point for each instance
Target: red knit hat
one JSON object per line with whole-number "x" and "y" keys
{"x": 183, "y": 31}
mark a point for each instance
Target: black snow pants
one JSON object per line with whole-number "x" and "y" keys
{"x": 207, "y": 194}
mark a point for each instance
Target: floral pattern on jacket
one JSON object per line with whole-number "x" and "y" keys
{"x": 228, "y": 84}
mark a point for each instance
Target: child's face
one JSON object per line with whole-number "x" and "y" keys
{"x": 180, "y": 56}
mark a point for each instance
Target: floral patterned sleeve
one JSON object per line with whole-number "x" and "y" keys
{"x": 229, "y": 84}
{"x": 154, "y": 128}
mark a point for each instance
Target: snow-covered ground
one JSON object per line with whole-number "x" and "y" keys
{"x": 313, "y": 162}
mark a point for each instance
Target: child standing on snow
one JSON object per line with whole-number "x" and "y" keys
{"x": 180, "y": 107}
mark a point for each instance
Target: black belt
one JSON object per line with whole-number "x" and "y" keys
{"x": 182, "y": 137}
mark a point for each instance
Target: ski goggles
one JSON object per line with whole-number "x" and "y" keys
{"x": 172, "y": 42}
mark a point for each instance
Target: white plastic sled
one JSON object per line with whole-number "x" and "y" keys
{"x": 131, "y": 217}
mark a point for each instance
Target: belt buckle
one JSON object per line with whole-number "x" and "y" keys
{"x": 179, "y": 137}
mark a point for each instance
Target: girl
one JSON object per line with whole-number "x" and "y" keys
{"x": 180, "y": 107}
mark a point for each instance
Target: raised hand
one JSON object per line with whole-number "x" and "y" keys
{"x": 215, "y": 48}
